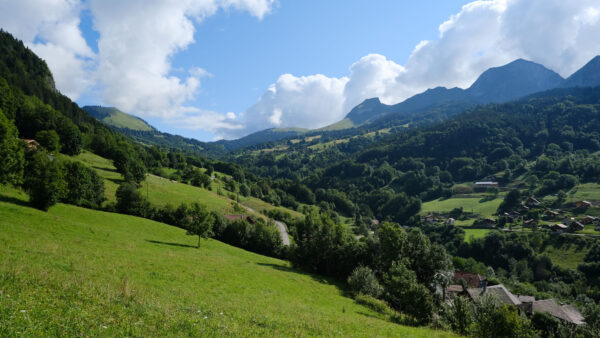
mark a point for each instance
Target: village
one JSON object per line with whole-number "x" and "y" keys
{"x": 473, "y": 286}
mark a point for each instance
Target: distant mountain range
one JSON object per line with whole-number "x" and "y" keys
{"x": 512, "y": 81}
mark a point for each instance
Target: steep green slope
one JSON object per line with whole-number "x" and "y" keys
{"x": 75, "y": 271}
{"x": 113, "y": 117}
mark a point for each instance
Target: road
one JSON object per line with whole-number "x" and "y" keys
{"x": 284, "y": 235}
{"x": 285, "y": 238}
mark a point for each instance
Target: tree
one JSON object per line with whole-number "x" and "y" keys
{"x": 11, "y": 153}
{"x": 461, "y": 315}
{"x": 405, "y": 294}
{"x": 511, "y": 201}
{"x": 363, "y": 280}
{"x": 495, "y": 320}
{"x": 48, "y": 139}
{"x": 84, "y": 186}
{"x": 44, "y": 180}
{"x": 130, "y": 201}
{"x": 200, "y": 222}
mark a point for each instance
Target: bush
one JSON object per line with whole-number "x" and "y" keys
{"x": 11, "y": 153}
{"x": 44, "y": 180}
{"x": 130, "y": 201}
{"x": 48, "y": 139}
{"x": 374, "y": 304}
{"x": 363, "y": 280}
{"x": 84, "y": 186}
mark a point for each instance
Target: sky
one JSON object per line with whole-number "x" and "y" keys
{"x": 212, "y": 69}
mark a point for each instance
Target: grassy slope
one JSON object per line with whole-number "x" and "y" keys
{"x": 74, "y": 271}
{"x": 162, "y": 191}
{"x": 566, "y": 256}
{"x": 119, "y": 119}
{"x": 478, "y": 205}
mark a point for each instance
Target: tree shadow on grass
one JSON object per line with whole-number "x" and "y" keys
{"x": 171, "y": 244}
{"x": 14, "y": 200}
{"x": 317, "y": 278}
{"x": 117, "y": 181}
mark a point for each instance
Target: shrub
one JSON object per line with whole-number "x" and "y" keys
{"x": 44, "y": 180}
{"x": 363, "y": 280}
{"x": 374, "y": 304}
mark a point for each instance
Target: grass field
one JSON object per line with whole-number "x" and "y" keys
{"x": 587, "y": 191}
{"x": 566, "y": 256}
{"x": 481, "y": 206}
{"x": 73, "y": 271}
{"x": 163, "y": 191}
{"x": 260, "y": 205}
{"x": 475, "y": 233}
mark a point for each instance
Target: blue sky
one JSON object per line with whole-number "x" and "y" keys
{"x": 245, "y": 55}
{"x": 225, "y": 68}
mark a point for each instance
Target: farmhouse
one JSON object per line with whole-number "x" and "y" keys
{"x": 31, "y": 144}
{"x": 588, "y": 220}
{"x": 485, "y": 184}
{"x": 583, "y": 204}
{"x": 559, "y": 227}
{"x": 530, "y": 222}
{"x": 550, "y": 214}
{"x": 532, "y": 202}
{"x": 473, "y": 280}
{"x": 450, "y": 221}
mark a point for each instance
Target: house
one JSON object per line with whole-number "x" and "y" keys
{"x": 559, "y": 227}
{"x": 532, "y": 202}
{"x": 588, "y": 220}
{"x": 233, "y": 218}
{"x": 450, "y": 221}
{"x": 485, "y": 185}
{"x": 454, "y": 290}
{"x": 551, "y": 214}
{"x": 530, "y": 222}
{"x": 566, "y": 313}
{"x": 229, "y": 178}
{"x": 489, "y": 222}
{"x": 473, "y": 280}
{"x": 576, "y": 226}
{"x": 431, "y": 218}
{"x": 583, "y": 204}
{"x": 499, "y": 291}
{"x": 31, "y": 144}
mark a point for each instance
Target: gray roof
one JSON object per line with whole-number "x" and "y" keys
{"x": 503, "y": 295}
{"x": 526, "y": 299}
{"x": 566, "y": 312}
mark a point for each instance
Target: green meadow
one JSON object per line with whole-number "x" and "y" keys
{"x": 162, "y": 191}
{"x": 73, "y": 271}
{"x": 478, "y": 205}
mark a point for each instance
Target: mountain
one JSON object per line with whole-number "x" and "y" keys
{"x": 512, "y": 81}
{"x": 496, "y": 85}
{"x": 587, "y": 76}
{"x": 113, "y": 117}
{"x": 268, "y": 135}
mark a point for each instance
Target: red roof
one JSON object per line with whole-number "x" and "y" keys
{"x": 473, "y": 280}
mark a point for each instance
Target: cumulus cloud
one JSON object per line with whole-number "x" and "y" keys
{"x": 51, "y": 29}
{"x": 137, "y": 41}
{"x": 561, "y": 35}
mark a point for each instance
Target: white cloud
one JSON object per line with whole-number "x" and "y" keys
{"x": 51, "y": 29}
{"x": 562, "y": 35}
{"x": 138, "y": 38}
